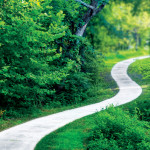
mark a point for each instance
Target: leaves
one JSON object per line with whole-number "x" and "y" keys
{"x": 28, "y": 52}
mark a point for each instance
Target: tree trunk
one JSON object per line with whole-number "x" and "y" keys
{"x": 86, "y": 19}
{"x": 81, "y": 30}
{"x": 137, "y": 41}
{"x": 88, "y": 16}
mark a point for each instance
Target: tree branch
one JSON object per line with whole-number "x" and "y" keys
{"x": 85, "y": 4}
{"x": 96, "y": 8}
{"x": 101, "y": 7}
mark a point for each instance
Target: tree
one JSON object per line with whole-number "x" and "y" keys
{"x": 94, "y": 8}
{"x": 28, "y": 54}
{"x": 40, "y": 61}
{"x": 117, "y": 27}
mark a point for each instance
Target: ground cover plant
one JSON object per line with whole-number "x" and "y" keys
{"x": 126, "y": 127}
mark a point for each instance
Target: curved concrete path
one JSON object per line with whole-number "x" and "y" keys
{"x": 27, "y": 135}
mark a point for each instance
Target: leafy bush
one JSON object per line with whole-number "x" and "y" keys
{"x": 117, "y": 130}
{"x": 28, "y": 55}
{"x": 41, "y": 62}
{"x": 73, "y": 89}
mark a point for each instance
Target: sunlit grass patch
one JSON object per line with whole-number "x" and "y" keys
{"x": 112, "y": 58}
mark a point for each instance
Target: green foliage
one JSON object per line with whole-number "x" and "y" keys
{"x": 142, "y": 67}
{"x": 70, "y": 92}
{"x": 110, "y": 129}
{"x": 42, "y": 61}
{"x": 28, "y": 55}
{"x": 117, "y": 130}
{"x": 118, "y": 28}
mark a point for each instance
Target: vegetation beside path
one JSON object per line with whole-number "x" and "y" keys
{"x": 106, "y": 88}
{"x": 126, "y": 127}
{"x": 140, "y": 73}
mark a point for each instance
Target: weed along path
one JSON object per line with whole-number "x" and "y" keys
{"x": 27, "y": 135}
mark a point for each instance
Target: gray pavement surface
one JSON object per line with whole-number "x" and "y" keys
{"x": 27, "y": 135}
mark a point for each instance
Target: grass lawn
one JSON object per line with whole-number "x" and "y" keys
{"x": 100, "y": 93}
{"x": 140, "y": 73}
{"x": 80, "y": 134}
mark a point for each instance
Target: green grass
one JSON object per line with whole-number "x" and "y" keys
{"x": 114, "y": 57}
{"x": 70, "y": 137}
{"x": 140, "y": 72}
{"x": 76, "y": 135}
{"x": 97, "y": 93}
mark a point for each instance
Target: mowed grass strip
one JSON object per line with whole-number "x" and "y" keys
{"x": 70, "y": 137}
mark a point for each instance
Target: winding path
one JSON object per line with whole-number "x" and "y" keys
{"x": 27, "y": 135}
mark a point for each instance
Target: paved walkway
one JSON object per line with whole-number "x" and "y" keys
{"x": 27, "y": 135}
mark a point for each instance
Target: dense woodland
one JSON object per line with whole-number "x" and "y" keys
{"x": 52, "y": 51}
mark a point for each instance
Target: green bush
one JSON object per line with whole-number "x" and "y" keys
{"x": 27, "y": 55}
{"x": 74, "y": 89}
{"x": 38, "y": 53}
{"x": 117, "y": 130}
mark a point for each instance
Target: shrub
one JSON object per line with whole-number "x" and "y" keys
{"x": 117, "y": 130}
{"x": 28, "y": 53}
{"x": 74, "y": 89}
